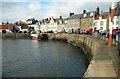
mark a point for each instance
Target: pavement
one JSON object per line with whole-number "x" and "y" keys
{"x": 119, "y": 67}
{"x": 105, "y": 62}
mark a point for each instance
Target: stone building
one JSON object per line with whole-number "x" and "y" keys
{"x": 73, "y": 22}
{"x": 86, "y": 22}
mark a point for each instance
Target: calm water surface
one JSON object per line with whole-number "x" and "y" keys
{"x": 31, "y": 58}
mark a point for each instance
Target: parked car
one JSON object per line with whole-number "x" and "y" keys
{"x": 103, "y": 32}
{"x": 50, "y": 31}
{"x": 114, "y": 31}
{"x": 90, "y": 31}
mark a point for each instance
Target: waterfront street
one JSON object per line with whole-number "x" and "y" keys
{"x": 60, "y": 39}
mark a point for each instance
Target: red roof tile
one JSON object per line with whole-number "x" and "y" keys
{"x": 5, "y": 26}
{"x": 104, "y": 16}
{"x": 56, "y": 20}
{"x": 24, "y": 27}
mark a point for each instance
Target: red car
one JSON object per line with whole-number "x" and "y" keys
{"x": 90, "y": 31}
{"x": 113, "y": 32}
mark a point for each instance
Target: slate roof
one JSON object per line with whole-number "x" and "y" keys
{"x": 30, "y": 19}
{"x": 88, "y": 14}
{"x": 76, "y": 16}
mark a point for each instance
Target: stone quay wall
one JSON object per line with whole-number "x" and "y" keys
{"x": 103, "y": 59}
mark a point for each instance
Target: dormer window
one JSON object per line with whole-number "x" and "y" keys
{"x": 100, "y": 17}
{"x": 85, "y": 15}
{"x": 91, "y": 14}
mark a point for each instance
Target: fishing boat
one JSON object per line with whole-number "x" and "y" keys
{"x": 35, "y": 37}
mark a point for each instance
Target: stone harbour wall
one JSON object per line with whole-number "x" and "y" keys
{"x": 103, "y": 59}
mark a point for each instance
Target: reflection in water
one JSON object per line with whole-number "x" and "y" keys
{"x": 31, "y": 58}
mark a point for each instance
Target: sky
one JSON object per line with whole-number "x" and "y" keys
{"x": 15, "y": 10}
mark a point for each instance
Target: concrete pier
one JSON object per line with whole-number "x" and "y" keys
{"x": 103, "y": 59}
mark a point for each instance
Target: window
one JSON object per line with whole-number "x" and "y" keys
{"x": 117, "y": 22}
{"x": 95, "y": 24}
{"x": 117, "y": 17}
{"x": 101, "y": 28}
{"x": 101, "y": 23}
{"x": 113, "y": 23}
{"x": 112, "y": 27}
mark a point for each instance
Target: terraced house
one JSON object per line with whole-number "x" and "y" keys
{"x": 101, "y": 21}
{"x": 73, "y": 22}
{"x": 52, "y": 24}
{"x": 115, "y": 23}
{"x": 116, "y": 18}
{"x": 86, "y": 22}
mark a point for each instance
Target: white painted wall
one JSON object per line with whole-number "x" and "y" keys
{"x": 114, "y": 25}
{"x": 36, "y": 27}
{"x": 52, "y": 27}
{"x": 98, "y": 26}
{"x": 43, "y": 28}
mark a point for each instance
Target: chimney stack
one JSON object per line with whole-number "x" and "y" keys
{"x": 71, "y": 14}
{"x": 60, "y": 17}
{"x": 84, "y": 11}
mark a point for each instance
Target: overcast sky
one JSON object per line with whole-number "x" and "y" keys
{"x": 15, "y": 10}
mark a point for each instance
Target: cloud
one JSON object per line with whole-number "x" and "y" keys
{"x": 35, "y": 6}
{"x": 64, "y": 8}
{"x": 25, "y": 0}
{"x": 14, "y": 11}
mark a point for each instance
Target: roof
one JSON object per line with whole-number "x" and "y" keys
{"x": 104, "y": 15}
{"x": 24, "y": 27}
{"x": 76, "y": 16}
{"x": 116, "y": 13}
{"x": 5, "y": 26}
{"x": 30, "y": 19}
{"x": 56, "y": 20}
{"x": 89, "y": 14}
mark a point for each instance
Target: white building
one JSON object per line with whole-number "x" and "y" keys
{"x": 43, "y": 28}
{"x": 61, "y": 25}
{"x": 52, "y": 25}
{"x": 115, "y": 23}
{"x": 35, "y": 27}
{"x": 101, "y": 22}
{"x": 5, "y": 27}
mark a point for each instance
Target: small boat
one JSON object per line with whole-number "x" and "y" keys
{"x": 35, "y": 36}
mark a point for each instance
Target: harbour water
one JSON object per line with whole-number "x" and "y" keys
{"x": 31, "y": 58}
